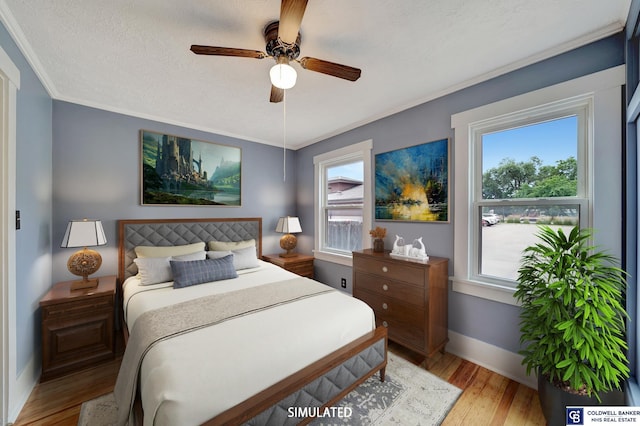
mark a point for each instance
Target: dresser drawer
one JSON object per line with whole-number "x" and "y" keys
{"x": 405, "y": 323}
{"x": 392, "y": 270}
{"x": 407, "y": 293}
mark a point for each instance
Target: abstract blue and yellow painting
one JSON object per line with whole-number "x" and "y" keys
{"x": 412, "y": 184}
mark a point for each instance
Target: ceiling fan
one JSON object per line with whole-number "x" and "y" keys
{"x": 283, "y": 45}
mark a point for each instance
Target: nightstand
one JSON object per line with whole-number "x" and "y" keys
{"x": 301, "y": 264}
{"x": 77, "y": 327}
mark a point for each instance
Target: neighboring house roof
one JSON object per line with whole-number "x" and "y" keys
{"x": 348, "y": 196}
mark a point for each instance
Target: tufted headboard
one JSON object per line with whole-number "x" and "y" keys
{"x": 170, "y": 232}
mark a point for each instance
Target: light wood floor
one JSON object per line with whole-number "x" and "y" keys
{"x": 487, "y": 399}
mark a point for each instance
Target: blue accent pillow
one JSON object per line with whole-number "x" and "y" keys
{"x": 195, "y": 272}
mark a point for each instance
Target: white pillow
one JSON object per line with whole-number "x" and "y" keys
{"x": 154, "y": 270}
{"x": 231, "y": 245}
{"x": 218, "y": 254}
{"x": 200, "y": 255}
{"x": 244, "y": 258}
{"x": 168, "y": 251}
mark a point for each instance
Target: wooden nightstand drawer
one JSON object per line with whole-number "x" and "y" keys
{"x": 76, "y": 342}
{"x": 77, "y": 327}
{"x": 77, "y": 308}
{"x": 304, "y": 269}
{"x": 299, "y": 264}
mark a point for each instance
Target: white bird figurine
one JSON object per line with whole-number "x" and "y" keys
{"x": 397, "y": 248}
{"x": 419, "y": 251}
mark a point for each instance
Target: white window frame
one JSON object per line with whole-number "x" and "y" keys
{"x": 582, "y": 107}
{"x": 579, "y": 94}
{"x": 356, "y": 152}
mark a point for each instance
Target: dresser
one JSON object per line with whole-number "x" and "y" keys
{"x": 77, "y": 327}
{"x": 409, "y": 298}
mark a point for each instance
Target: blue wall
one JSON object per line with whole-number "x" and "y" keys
{"x": 482, "y": 319}
{"x": 96, "y": 174}
{"x": 34, "y": 200}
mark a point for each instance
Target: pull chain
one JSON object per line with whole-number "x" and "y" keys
{"x": 284, "y": 137}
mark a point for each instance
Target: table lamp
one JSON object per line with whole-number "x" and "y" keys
{"x": 288, "y": 225}
{"x": 84, "y": 233}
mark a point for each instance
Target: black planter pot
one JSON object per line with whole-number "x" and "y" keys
{"x": 554, "y": 401}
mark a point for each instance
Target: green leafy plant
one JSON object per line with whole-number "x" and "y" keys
{"x": 572, "y": 319}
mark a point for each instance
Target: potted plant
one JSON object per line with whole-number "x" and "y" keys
{"x": 572, "y": 321}
{"x": 378, "y": 234}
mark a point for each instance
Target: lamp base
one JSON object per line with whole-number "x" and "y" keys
{"x": 84, "y": 284}
{"x": 288, "y": 242}
{"x": 288, "y": 254}
{"x": 84, "y": 263}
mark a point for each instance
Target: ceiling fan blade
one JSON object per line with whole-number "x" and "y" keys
{"x": 291, "y": 13}
{"x": 227, "y": 51}
{"x": 330, "y": 68}
{"x": 277, "y": 94}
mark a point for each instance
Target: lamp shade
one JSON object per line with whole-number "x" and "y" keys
{"x": 288, "y": 225}
{"x": 84, "y": 233}
{"x": 283, "y": 76}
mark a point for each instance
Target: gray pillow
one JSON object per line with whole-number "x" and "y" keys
{"x": 194, "y": 272}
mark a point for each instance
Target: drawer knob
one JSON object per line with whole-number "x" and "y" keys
{"x": 385, "y": 287}
{"x": 384, "y": 306}
{"x": 385, "y": 269}
{"x": 385, "y": 324}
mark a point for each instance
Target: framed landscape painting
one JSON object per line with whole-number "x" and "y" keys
{"x": 412, "y": 184}
{"x": 182, "y": 171}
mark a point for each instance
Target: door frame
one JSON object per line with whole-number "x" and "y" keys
{"x": 9, "y": 86}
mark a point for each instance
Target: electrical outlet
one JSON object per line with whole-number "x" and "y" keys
{"x": 343, "y": 282}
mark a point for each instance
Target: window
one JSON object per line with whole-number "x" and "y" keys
{"x": 342, "y": 202}
{"x": 530, "y": 173}
{"x": 531, "y": 160}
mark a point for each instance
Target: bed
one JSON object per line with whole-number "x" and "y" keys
{"x": 256, "y": 348}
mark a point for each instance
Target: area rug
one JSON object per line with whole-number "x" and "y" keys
{"x": 409, "y": 395}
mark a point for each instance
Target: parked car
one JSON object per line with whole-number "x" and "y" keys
{"x": 491, "y": 218}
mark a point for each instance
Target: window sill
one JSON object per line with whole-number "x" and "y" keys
{"x": 632, "y": 392}
{"x": 333, "y": 257}
{"x": 488, "y": 291}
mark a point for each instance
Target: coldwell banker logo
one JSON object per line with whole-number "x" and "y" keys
{"x": 575, "y": 416}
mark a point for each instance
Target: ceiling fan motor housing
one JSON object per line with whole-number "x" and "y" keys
{"x": 276, "y": 47}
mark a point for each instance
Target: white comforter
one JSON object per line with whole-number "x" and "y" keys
{"x": 193, "y": 377}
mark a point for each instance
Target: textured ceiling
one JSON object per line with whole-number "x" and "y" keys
{"x": 132, "y": 56}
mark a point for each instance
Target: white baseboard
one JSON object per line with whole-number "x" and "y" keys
{"x": 491, "y": 357}
{"x": 22, "y": 388}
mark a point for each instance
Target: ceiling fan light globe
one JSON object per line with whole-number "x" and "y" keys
{"x": 283, "y": 76}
